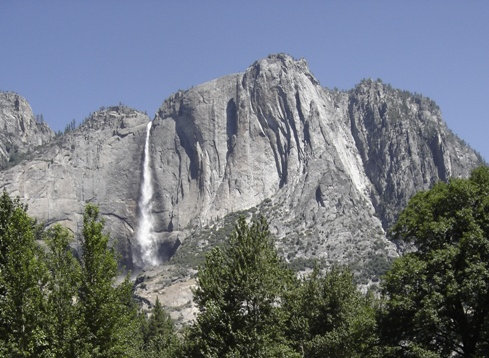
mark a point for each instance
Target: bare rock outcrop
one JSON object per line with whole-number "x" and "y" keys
{"x": 330, "y": 169}
{"x": 404, "y": 144}
{"x": 20, "y": 131}
{"x": 99, "y": 162}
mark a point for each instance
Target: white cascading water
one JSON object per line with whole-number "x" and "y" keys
{"x": 145, "y": 235}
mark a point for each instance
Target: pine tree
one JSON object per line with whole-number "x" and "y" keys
{"x": 23, "y": 316}
{"x": 239, "y": 293}
{"x": 107, "y": 311}
{"x": 159, "y": 334}
{"x": 329, "y": 317}
{"x": 62, "y": 291}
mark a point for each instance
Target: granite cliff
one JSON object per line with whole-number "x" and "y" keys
{"x": 20, "y": 131}
{"x": 98, "y": 162}
{"x": 330, "y": 169}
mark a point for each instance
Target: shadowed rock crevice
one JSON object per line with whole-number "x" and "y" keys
{"x": 187, "y": 136}
{"x": 436, "y": 147}
{"x": 231, "y": 124}
{"x": 319, "y": 196}
{"x": 167, "y": 249}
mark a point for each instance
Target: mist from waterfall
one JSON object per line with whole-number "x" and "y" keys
{"x": 145, "y": 234}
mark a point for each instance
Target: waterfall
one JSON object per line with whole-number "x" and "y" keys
{"x": 145, "y": 235}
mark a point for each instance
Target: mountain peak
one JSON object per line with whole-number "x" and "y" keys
{"x": 330, "y": 172}
{"x": 277, "y": 66}
{"x": 113, "y": 117}
{"x": 21, "y": 131}
{"x": 282, "y": 59}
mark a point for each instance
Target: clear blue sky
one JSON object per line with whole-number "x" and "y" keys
{"x": 69, "y": 57}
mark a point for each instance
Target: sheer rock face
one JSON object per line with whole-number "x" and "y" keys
{"x": 270, "y": 133}
{"x": 99, "y": 162}
{"x": 19, "y": 130}
{"x": 404, "y": 144}
{"x": 335, "y": 168}
{"x": 330, "y": 169}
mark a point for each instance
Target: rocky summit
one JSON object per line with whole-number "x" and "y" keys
{"x": 330, "y": 169}
{"x": 20, "y": 130}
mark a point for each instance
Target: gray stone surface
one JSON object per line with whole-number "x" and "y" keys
{"x": 329, "y": 169}
{"x": 404, "y": 144}
{"x": 334, "y": 167}
{"x": 99, "y": 162}
{"x": 20, "y": 133}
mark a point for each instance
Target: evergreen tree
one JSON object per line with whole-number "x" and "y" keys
{"x": 159, "y": 334}
{"x": 437, "y": 297}
{"x": 23, "y": 316}
{"x": 329, "y": 317}
{"x": 70, "y": 127}
{"x": 62, "y": 294}
{"x": 239, "y": 294}
{"x": 107, "y": 311}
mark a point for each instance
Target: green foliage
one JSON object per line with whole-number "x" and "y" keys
{"x": 251, "y": 305}
{"x": 39, "y": 118}
{"x": 22, "y": 279}
{"x": 62, "y": 289}
{"x": 193, "y": 250}
{"x": 70, "y": 127}
{"x": 329, "y": 317}
{"x": 159, "y": 334}
{"x": 15, "y": 155}
{"x": 372, "y": 267}
{"x": 107, "y": 310}
{"x": 303, "y": 263}
{"x": 53, "y": 306}
{"x": 239, "y": 291}
{"x": 437, "y": 297}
